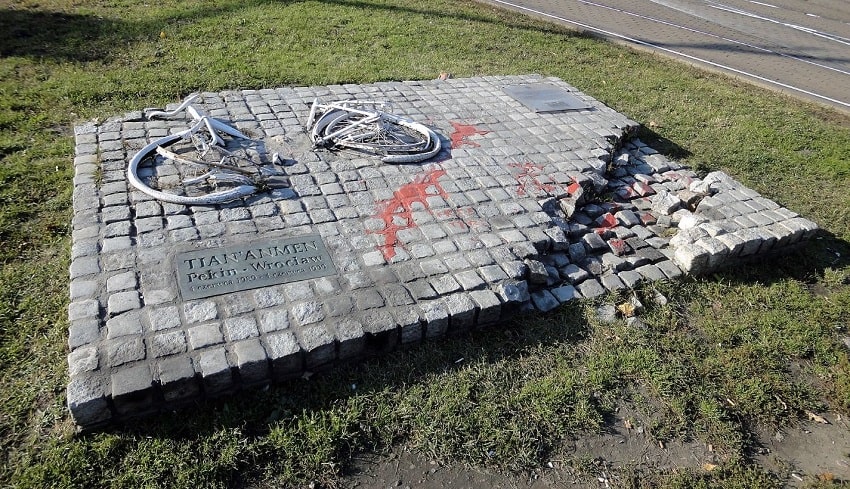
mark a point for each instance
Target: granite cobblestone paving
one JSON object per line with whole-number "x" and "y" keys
{"x": 522, "y": 210}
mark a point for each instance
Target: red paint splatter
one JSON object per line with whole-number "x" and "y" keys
{"x": 606, "y": 221}
{"x": 397, "y": 212}
{"x": 647, "y": 219}
{"x": 643, "y": 189}
{"x": 531, "y": 178}
{"x": 462, "y": 132}
{"x": 618, "y": 246}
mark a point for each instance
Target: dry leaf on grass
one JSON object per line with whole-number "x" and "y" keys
{"x": 816, "y": 418}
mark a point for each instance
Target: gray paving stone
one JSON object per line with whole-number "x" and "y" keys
{"x": 82, "y": 360}
{"x": 317, "y": 344}
{"x": 651, "y": 272}
{"x": 129, "y": 323}
{"x": 544, "y": 300}
{"x": 285, "y": 354}
{"x": 410, "y": 324}
{"x": 132, "y": 389}
{"x": 670, "y": 269}
{"x": 630, "y": 278}
{"x": 382, "y": 330}
{"x": 513, "y": 291}
{"x": 84, "y": 266}
{"x": 717, "y": 252}
{"x": 461, "y": 309}
{"x": 614, "y": 263}
{"x": 590, "y": 288}
{"x": 170, "y": 343}
{"x": 489, "y": 308}
{"x": 368, "y": 299}
{"x": 251, "y": 361}
{"x": 124, "y": 350}
{"x": 396, "y": 295}
{"x": 205, "y": 335}
{"x": 83, "y": 332}
{"x": 165, "y": 317}
{"x": 177, "y": 378}
{"x": 469, "y": 280}
{"x": 573, "y": 273}
{"x": 216, "y": 373}
{"x": 593, "y": 242}
{"x": 240, "y": 328}
{"x": 200, "y": 311}
{"x": 445, "y": 284}
{"x": 421, "y": 289}
{"x": 306, "y": 313}
{"x": 351, "y": 338}
{"x": 537, "y": 273}
{"x": 436, "y": 317}
{"x": 577, "y": 252}
{"x": 87, "y": 400}
{"x": 691, "y": 258}
{"x": 492, "y": 273}
{"x": 565, "y": 293}
{"x": 612, "y": 282}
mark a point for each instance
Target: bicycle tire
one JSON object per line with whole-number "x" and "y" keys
{"x": 207, "y": 199}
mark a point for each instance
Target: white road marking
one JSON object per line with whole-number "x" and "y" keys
{"x": 764, "y": 4}
{"x": 815, "y": 32}
{"x": 708, "y": 34}
{"x": 672, "y": 51}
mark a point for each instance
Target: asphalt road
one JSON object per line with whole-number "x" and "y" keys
{"x": 799, "y": 47}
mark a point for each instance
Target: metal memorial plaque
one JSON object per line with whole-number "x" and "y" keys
{"x": 216, "y": 271}
{"x": 544, "y": 97}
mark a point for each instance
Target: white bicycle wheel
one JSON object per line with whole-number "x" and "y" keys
{"x": 356, "y": 126}
{"x": 184, "y": 185}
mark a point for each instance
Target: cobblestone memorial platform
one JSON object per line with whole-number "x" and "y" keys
{"x": 530, "y": 204}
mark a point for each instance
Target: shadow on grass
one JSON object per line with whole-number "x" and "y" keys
{"x": 58, "y": 36}
{"x": 86, "y": 37}
{"x": 367, "y": 388}
{"x": 661, "y": 144}
{"x": 806, "y": 264}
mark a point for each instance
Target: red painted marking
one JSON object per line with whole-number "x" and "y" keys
{"x": 573, "y": 187}
{"x": 531, "y": 177}
{"x": 462, "y": 132}
{"x": 460, "y": 225}
{"x": 626, "y": 193}
{"x": 647, "y": 219}
{"x": 643, "y": 189}
{"x": 607, "y": 221}
{"x": 400, "y": 207}
{"x": 445, "y": 214}
{"x": 618, "y": 246}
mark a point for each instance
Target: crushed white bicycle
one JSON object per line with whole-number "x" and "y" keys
{"x": 369, "y": 127}
{"x": 198, "y": 168}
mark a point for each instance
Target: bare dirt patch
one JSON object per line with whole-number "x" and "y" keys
{"x": 623, "y": 450}
{"x": 621, "y": 455}
{"x": 807, "y": 452}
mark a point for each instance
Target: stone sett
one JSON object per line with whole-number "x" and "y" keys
{"x": 177, "y": 379}
{"x": 514, "y": 222}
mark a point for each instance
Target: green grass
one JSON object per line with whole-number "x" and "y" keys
{"x": 730, "y": 354}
